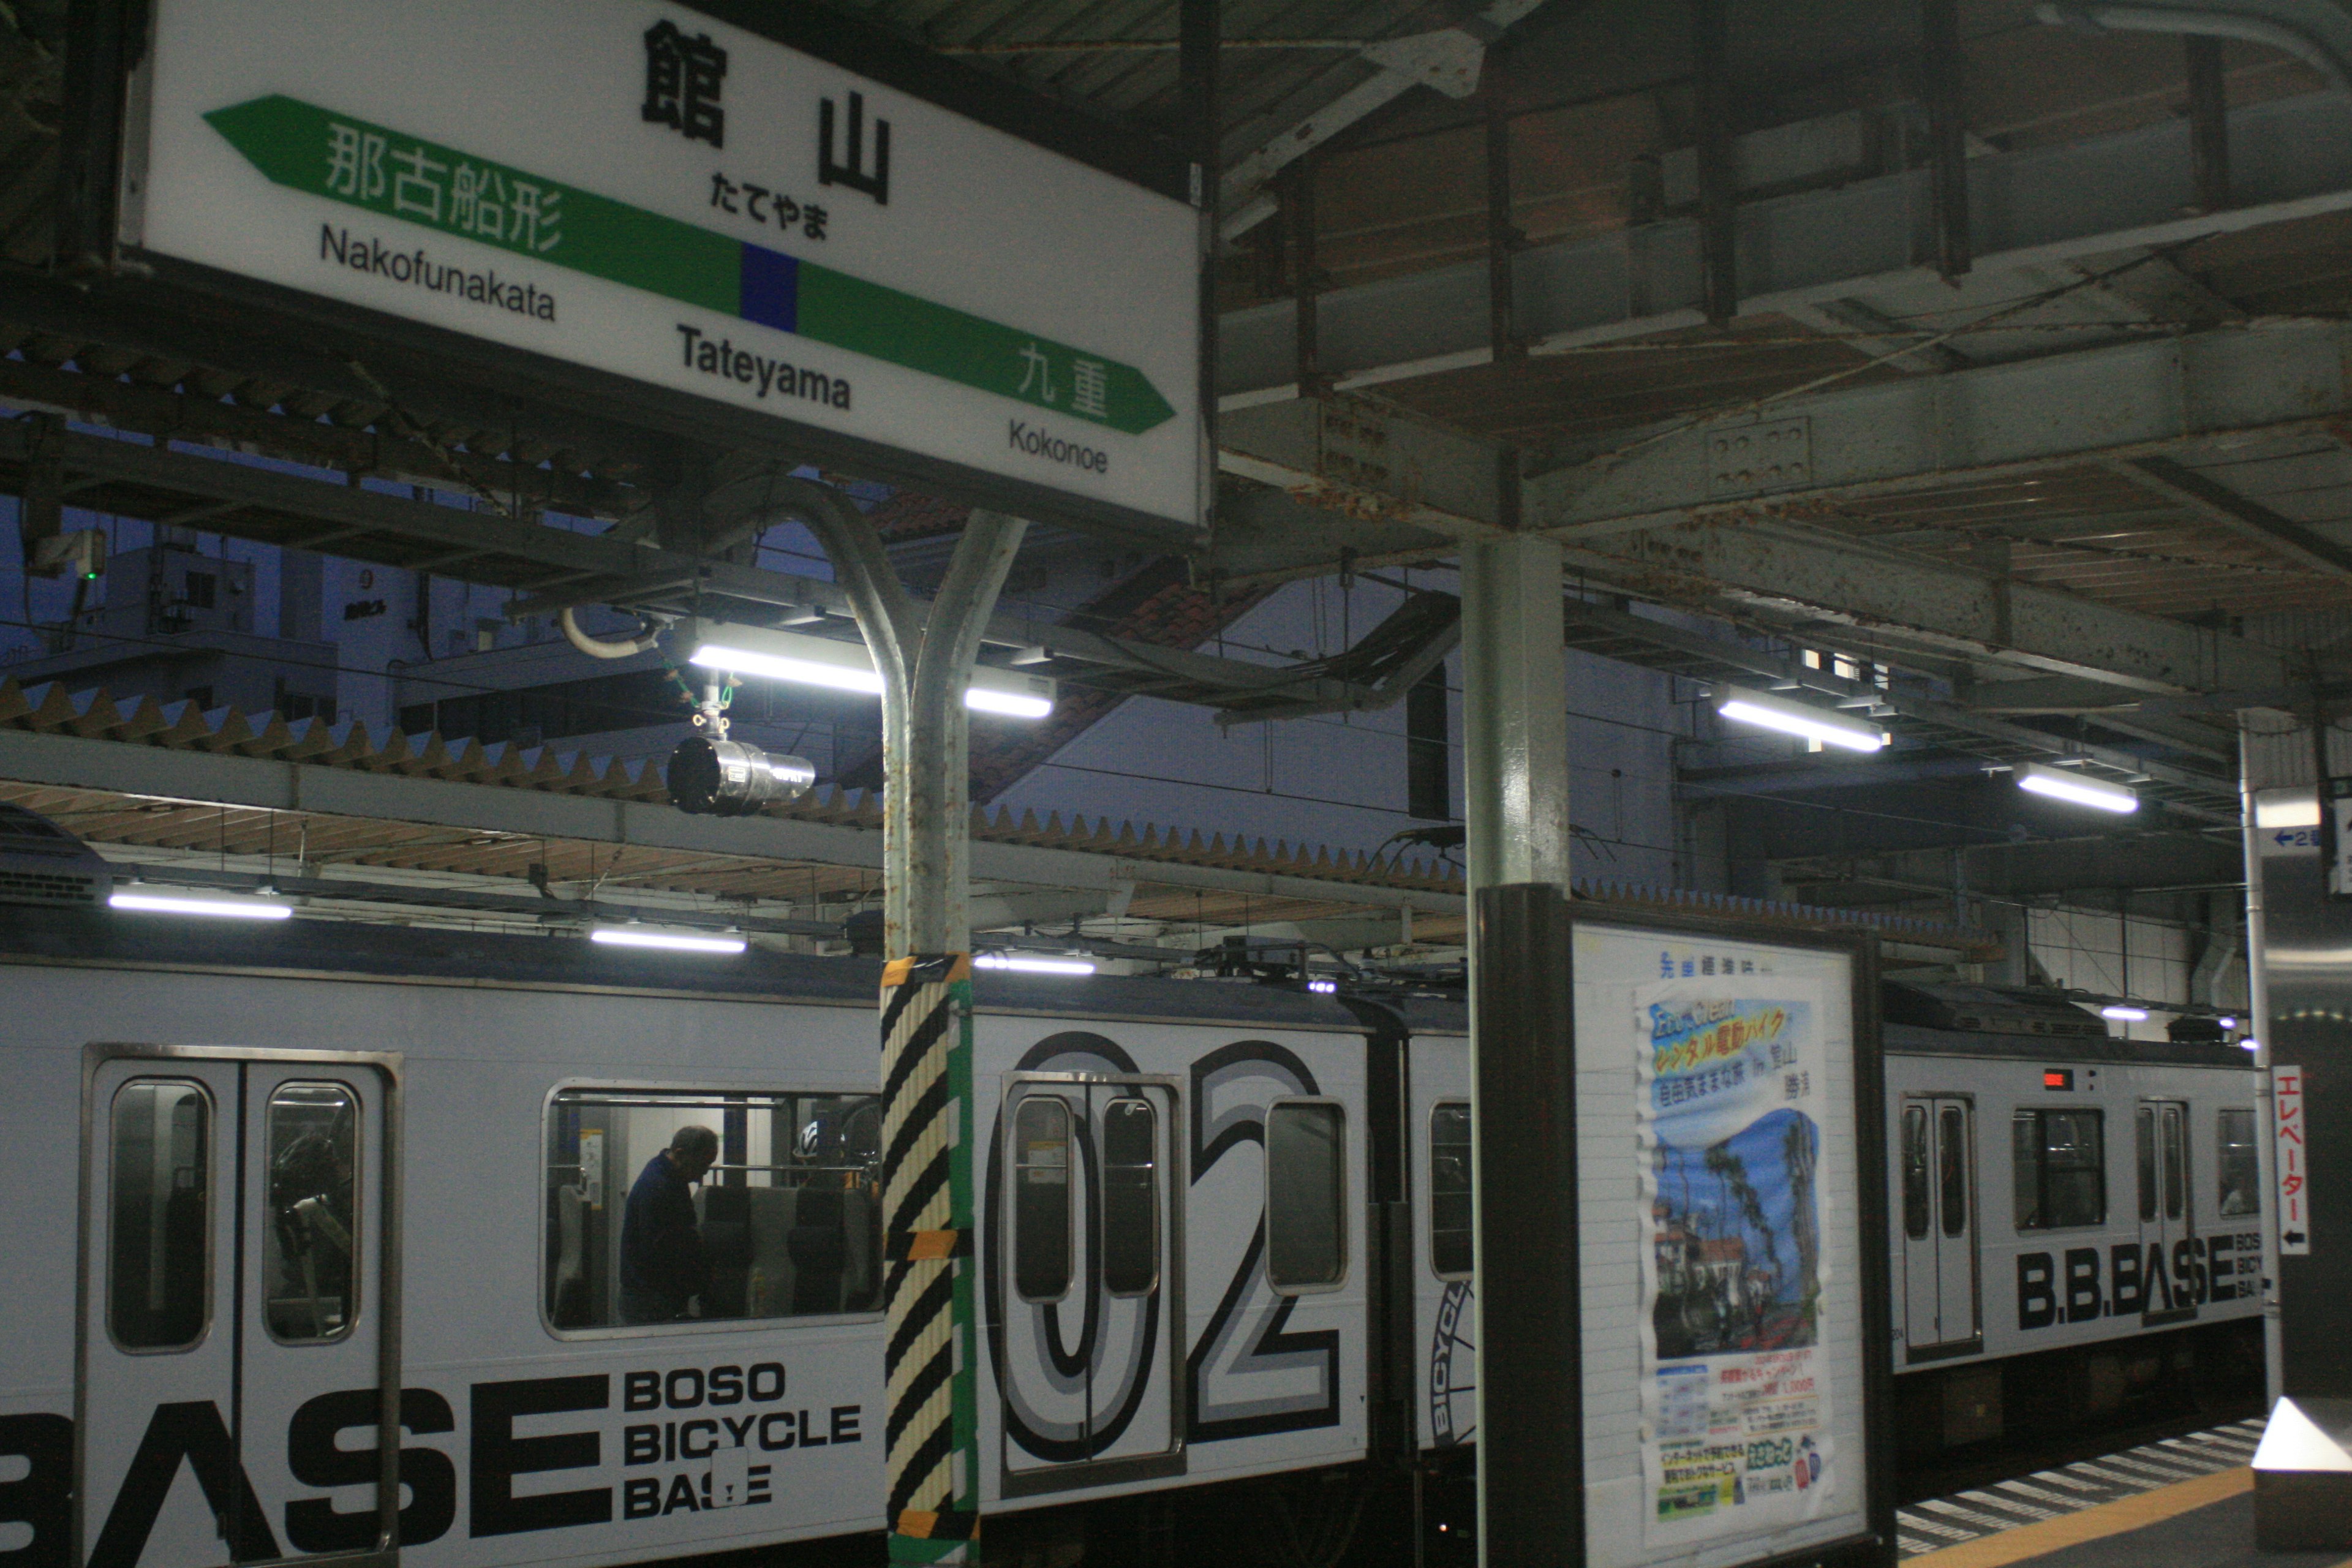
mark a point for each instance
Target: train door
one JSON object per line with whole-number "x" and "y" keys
{"x": 1090, "y": 1373}
{"x": 1940, "y": 1298}
{"x": 232, "y": 1275}
{"x": 2168, "y": 1216}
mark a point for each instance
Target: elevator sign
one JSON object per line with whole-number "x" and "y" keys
{"x": 2291, "y": 1163}
{"x": 641, "y": 189}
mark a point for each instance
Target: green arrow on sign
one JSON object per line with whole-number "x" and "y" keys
{"x": 321, "y": 153}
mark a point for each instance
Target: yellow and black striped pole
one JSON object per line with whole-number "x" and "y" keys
{"x": 931, "y": 1364}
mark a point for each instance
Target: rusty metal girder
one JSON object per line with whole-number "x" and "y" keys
{"x": 1372, "y": 464}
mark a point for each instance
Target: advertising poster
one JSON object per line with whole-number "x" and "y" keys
{"x": 1735, "y": 1393}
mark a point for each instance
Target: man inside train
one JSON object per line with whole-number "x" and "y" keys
{"x": 662, "y": 1266}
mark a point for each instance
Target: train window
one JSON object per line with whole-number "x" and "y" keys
{"x": 2146, "y": 1128}
{"x": 1914, "y": 1171}
{"x": 309, "y": 1248}
{"x": 159, "y": 1284}
{"x": 2059, "y": 1162}
{"x": 667, "y": 1205}
{"x": 1450, "y": 1249}
{"x": 1130, "y": 1214}
{"x": 2176, "y": 1160}
{"x": 1041, "y": 1198}
{"x": 2240, "y": 1165}
{"x": 1952, "y": 1168}
{"x": 1306, "y": 1195}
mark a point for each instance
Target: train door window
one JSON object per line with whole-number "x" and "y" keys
{"x": 1450, "y": 1248}
{"x": 1130, "y": 1212}
{"x": 1952, "y": 1145}
{"x": 2240, "y": 1165}
{"x": 1306, "y": 1195}
{"x": 1041, "y": 1198}
{"x": 2175, "y": 1120}
{"x": 309, "y": 1247}
{"x": 670, "y": 1205}
{"x": 2059, "y": 1162}
{"x": 159, "y": 1285}
{"x": 1915, "y": 1203}
{"x": 2146, "y": 1129}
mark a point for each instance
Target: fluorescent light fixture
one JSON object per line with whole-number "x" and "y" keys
{"x": 2249, "y": 1044}
{"x": 1034, "y": 965}
{"x": 736, "y": 659}
{"x": 2060, "y": 784}
{"x": 1012, "y": 704}
{"x": 232, "y": 908}
{"x": 847, "y": 666}
{"x": 2124, "y": 1014}
{"x": 1324, "y": 987}
{"x": 670, "y": 941}
{"x": 1823, "y": 724}
{"x": 2227, "y": 1022}
{"x": 2286, "y": 808}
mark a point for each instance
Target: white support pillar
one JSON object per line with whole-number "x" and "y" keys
{"x": 1514, "y": 713}
{"x": 929, "y": 1292}
{"x": 2258, "y": 1013}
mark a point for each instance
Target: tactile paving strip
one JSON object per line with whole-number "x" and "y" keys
{"x": 2046, "y": 1494}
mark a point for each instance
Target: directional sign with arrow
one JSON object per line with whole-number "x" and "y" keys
{"x": 875, "y": 268}
{"x": 2292, "y": 1164}
{"x": 417, "y": 182}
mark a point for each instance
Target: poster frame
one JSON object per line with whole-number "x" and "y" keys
{"x": 1876, "y": 1544}
{"x": 102, "y": 123}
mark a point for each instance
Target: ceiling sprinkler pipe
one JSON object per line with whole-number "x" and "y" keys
{"x": 597, "y": 647}
{"x": 2306, "y": 42}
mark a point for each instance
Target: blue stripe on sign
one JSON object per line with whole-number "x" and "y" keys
{"x": 771, "y": 289}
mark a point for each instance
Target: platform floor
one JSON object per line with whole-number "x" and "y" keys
{"x": 2185, "y": 1502}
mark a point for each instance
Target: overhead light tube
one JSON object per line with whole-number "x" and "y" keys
{"x": 670, "y": 941}
{"x": 1034, "y": 965}
{"x": 2124, "y": 1014}
{"x": 810, "y": 660}
{"x": 173, "y": 904}
{"x": 1801, "y": 718}
{"x": 2060, "y": 784}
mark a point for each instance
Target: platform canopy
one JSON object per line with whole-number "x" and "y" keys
{"x": 1937, "y": 359}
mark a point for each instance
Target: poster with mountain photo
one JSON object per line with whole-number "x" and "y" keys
{"x": 1736, "y": 1396}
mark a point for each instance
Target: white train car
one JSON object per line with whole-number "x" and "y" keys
{"x": 2075, "y": 1221}
{"x": 314, "y": 1163}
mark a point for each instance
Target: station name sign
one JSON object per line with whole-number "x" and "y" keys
{"x": 647, "y": 191}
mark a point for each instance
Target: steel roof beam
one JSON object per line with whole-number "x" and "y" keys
{"x": 1670, "y": 515}
{"x": 2115, "y": 404}
{"x": 2291, "y": 158}
{"x": 1923, "y": 433}
{"x": 2218, "y": 503}
{"x": 1373, "y": 463}
{"x": 1946, "y": 605}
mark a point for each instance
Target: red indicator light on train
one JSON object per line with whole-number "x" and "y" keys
{"x": 2058, "y": 1077}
